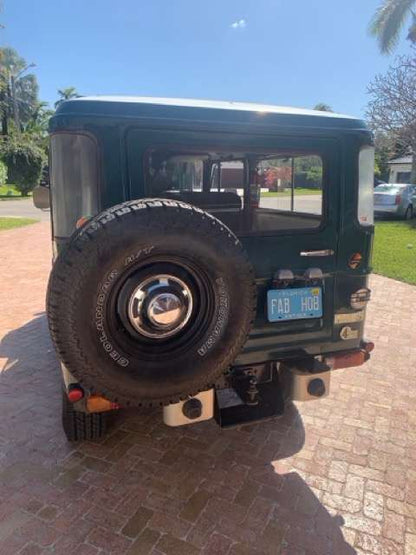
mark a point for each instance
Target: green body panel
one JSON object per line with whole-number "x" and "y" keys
{"x": 125, "y": 130}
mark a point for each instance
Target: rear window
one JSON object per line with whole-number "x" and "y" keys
{"x": 251, "y": 192}
{"x": 388, "y": 189}
{"x": 74, "y": 180}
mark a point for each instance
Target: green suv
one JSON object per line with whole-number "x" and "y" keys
{"x": 210, "y": 258}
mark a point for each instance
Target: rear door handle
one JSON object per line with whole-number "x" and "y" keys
{"x": 323, "y": 252}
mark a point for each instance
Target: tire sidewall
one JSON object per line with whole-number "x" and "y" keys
{"x": 102, "y": 364}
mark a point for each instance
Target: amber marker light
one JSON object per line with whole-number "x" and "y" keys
{"x": 98, "y": 403}
{"x": 82, "y": 221}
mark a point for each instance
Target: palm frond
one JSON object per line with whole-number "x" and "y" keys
{"x": 388, "y": 22}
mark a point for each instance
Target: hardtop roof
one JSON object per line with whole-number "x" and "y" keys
{"x": 178, "y": 108}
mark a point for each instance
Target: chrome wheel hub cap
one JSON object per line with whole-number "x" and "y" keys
{"x": 160, "y": 306}
{"x": 164, "y": 309}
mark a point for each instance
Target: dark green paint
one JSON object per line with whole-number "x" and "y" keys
{"x": 124, "y": 130}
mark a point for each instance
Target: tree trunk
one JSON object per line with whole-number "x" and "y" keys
{"x": 4, "y": 125}
{"x": 413, "y": 174}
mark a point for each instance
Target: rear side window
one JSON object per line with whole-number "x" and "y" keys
{"x": 250, "y": 191}
{"x": 366, "y": 186}
{"x": 392, "y": 189}
{"x": 292, "y": 184}
{"x": 74, "y": 180}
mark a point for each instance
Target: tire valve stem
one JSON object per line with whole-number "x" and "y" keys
{"x": 252, "y": 392}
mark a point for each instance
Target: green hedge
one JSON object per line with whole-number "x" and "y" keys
{"x": 24, "y": 161}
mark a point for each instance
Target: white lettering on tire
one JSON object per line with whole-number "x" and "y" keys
{"x": 222, "y": 318}
{"x": 135, "y": 256}
{"x": 99, "y": 321}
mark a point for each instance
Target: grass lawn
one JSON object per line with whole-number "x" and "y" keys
{"x": 9, "y": 192}
{"x": 394, "y": 253}
{"x": 287, "y": 193}
{"x": 9, "y": 223}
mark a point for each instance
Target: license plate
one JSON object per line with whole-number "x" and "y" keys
{"x": 294, "y": 304}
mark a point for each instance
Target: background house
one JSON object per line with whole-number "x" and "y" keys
{"x": 400, "y": 169}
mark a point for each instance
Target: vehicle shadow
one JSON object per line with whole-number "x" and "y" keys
{"x": 208, "y": 487}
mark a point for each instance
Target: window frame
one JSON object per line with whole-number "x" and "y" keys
{"x": 322, "y": 153}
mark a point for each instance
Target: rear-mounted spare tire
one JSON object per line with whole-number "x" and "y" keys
{"x": 150, "y": 302}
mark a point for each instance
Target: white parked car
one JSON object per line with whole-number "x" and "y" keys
{"x": 395, "y": 199}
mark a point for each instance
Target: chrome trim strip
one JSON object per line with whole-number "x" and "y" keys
{"x": 324, "y": 252}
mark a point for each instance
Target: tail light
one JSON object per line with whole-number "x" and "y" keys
{"x": 347, "y": 359}
{"x": 398, "y": 199}
{"x": 75, "y": 393}
{"x": 360, "y": 298}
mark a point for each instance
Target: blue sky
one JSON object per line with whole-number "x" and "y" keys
{"x": 277, "y": 51}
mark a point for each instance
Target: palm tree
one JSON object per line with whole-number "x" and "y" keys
{"x": 66, "y": 94}
{"x": 37, "y": 126}
{"x": 389, "y": 20}
{"x": 18, "y": 92}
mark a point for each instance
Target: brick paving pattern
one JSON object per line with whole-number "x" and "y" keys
{"x": 335, "y": 476}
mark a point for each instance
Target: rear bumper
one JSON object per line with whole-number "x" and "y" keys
{"x": 380, "y": 209}
{"x": 310, "y": 382}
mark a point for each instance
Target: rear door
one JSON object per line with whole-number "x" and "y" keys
{"x": 307, "y": 248}
{"x": 289, "y": 218}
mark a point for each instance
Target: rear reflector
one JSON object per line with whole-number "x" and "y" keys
{"x": 75, "y": 393}
{"x": 347, "y": 359}
{"x": 97, "y": 403}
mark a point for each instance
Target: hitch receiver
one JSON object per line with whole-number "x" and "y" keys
{"x": 248, "y": 396}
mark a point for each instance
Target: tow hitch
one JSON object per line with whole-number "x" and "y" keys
{"x": 249, "y": 395}
{"x": 244, "y": 395}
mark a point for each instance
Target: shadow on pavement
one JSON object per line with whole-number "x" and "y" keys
{"x": 228, "y": 491}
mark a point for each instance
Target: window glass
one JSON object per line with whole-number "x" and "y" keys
{"x": 292, "y": 184}
{"x": 73, "y": 180}
{"x": 404, "y": 177}
{"x": 388, "y": 189}
{"x": 366, "y": 186}
{"x": 249, "y": 191}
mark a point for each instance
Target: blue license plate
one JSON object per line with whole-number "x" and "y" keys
{"x": 294, "y": 304}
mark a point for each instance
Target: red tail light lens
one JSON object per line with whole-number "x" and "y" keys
{"x": 398, "y": 199}
{"x": 75, "y": 393}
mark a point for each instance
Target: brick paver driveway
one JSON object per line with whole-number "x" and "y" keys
{"x": 335, "y": 476}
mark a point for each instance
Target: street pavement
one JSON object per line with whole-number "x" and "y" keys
{"x": 331, "y": 477}
{"x": 309, "y": 204}
{"x": 22, "y": 209}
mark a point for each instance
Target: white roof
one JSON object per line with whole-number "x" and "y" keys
{"x": 216, "y": 104}
{"x": 402, "y": 160}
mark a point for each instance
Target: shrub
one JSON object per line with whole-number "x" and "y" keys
{"x": 24, "y": 161}
{"x": 3, "y": 173}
